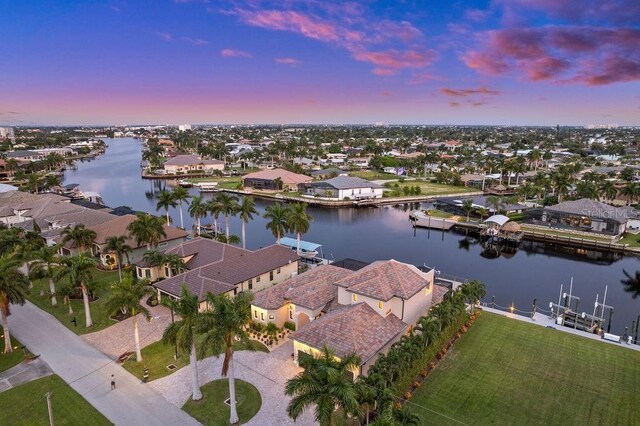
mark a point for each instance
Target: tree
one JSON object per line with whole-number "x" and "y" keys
{"x": 79, "y": 235}
{"x": 197, "y": 210}
{"x": 166, "y": 200}
{"x": 45, "y": 265}
{"x": 467, "y": 206}
{"x": 147, "y": 229}
{"x": 277, "y": 215}
{"x": 298, "y": 221}
{"x": 118, "y": 246}
{"x": 14, "y": 286}
{"x": 78, "y": 270}
{"x": 632, "y": 284}
{"x": 632, "y": 191}
{"x": 228, "y": 206}
{"x": 221, "y": 327}
{"x": 180, "y": 195}
{"x": 215, "y": 208}
{"x": 608, "y": 190}
{"x": 246, "y": 211}
{"x": 182, "y": 333}
{"x": 325, "y": 383}
{"x": 126, "y": 296}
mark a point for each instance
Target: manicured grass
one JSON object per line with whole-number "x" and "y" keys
{"x": 373, "y": 175}
{"x": 429, "y": 188}
{"x": 211, "y": 409}
{"x": 12, "y": 358}
{"x": 505, "y": 371}
{"x": 632, "y": 240}
{"x": 567, "y": 234}
{"x": 157, "y": 356}
{"x": 103, "y": 279}
{"x": 26, "y": 405}
{"x": 439, "y": 213}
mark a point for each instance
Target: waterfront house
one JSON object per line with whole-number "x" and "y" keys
{"x": 583, "y": 215}
{"x": 275, "y": 180}
{"x": 328, "y": 173}
{"x": 191, "y": 164}
{"x": 344, "y": 188}
{"x": 217, "y": 268}
{"x": 361, "y": 162}
{"x": 24, "y": 155}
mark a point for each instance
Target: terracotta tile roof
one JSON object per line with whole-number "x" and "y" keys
{"x": 196, "y": 282}
{"x": 352, "y": 329}
{"x": 438, "y": 294}
{"x": 224, "y": 266}
{"x": 286, "y": 176}
{"x": 383, "y": 280}
{"x": 118, "y": 226}
{"x": 313, "y": 289}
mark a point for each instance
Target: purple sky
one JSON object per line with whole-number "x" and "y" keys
{"x": 524, "y": 62}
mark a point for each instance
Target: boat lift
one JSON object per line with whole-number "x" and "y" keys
{"x": 566, "y": 312}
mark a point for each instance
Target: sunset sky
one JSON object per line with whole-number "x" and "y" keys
{"x": 527, "y": 62}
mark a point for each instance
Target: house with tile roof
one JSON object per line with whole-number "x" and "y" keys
{"x": 275, "y": 180}
{"x": 188, "y": 164}
{"x": 217, "y": 268}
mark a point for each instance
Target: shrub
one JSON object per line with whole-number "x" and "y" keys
{"x": 290, "y": 325}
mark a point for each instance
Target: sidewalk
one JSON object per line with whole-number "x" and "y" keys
{"x": 24, "y": 372}
{"x": 88, "y": 371}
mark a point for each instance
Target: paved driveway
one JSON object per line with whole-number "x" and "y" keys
{"x": 267, "y": 372}
{"x": 24, "y": 372}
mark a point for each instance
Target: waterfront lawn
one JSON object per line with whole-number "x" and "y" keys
{"x": 211, "y": 409}
{"x": 429, "y": 188}
{"x": 567, "y": 234}
{"x": 373, "y": 175}
{"x": 13, "y": 358}
{"x": 101, "y": 320}
{"x": 505, "y": 371}
{"x": 26, "y": 405}
{"x": 439, "y": 213}
{"x": 157, "y": 356}
{"x": 632, "y": 240}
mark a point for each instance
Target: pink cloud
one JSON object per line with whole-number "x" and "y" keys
{"x": 384, "y": 71}
{"x": 164, "y": 35}
{"x": 476, "y": 15}
{"x": 195, "y": 41}
{"x": 234, "y": 53}
{"x": 592, "y": 56}
{"x": 403, "y": 30}
{"x": 288, "y": 61}
{"x": 454, "y": 104}
{"x": 290, "y": 21}
{"x": 581, "y": 11}
{"x": 394, "y": 59}
{"x": 469, "y": 92}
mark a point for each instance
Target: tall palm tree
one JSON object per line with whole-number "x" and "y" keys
{"x": 467, "y": 206}
{"x": 215, "y": 208}
{"x": 324, "y": 382}
{"x": 10, "y": 239}
{"x": 14, "y": 286}
{"x": 277, "y": 215}
{"x": 632, "y": 191}
{"x": 298, "y": 221}
{"x": 81, "y": 236}
{"x": 221, "y": 327}
{"x": 117, "y": 245}
{"x": 175, "y": 263}
{"x": 180, "y": 195}
{"x": 126, "y": 297}
{"x": 182, "y": 333}
{"x": 147, "y": 229}
{"x": 154, "y": 257}
{"x": 197, "y": 210}
{"x": 246, "y": 211}
{"x": 78, "y": 270}
{"x": 228, "y": 206}
{"x": 45, "y": 266}
{"x": 608, "y": 190}
{"x": 166, "y": 201}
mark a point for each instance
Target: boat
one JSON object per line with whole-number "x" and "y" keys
{"x": 208, "y": 186}
{"x": 185, "y": 183}
{"x": 308, "y": 250}
{"x": 424, "y": 220}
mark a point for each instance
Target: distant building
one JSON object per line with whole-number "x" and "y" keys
{"x": 276, "y": 180}
{"x": 345, "y": 187}
{"x": 24, "y": 155}
{"x": 184, "y": 127}
{"x": 187, "y": 164}
{"x": 7, "y": 133}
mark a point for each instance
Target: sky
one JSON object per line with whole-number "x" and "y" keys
{"x": 507, "y": 62}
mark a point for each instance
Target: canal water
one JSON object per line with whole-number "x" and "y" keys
{"x": 535, "y": 271}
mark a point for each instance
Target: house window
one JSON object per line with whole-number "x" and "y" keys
{"x": 290, "y": 314}
{"x": 139, "y": 272}
{"x": 271, "y": 316}
{"x": 147, "y": 273}
{"x": 250, "y": 284}
{"x": 255, "y": 313}
{"x": 257, "y": 279}
{"x": 380, "y": 305}
{"x": 270, "y": 275}
{"x": 167, "y": 271}
{"x": 163, "y": 244}
{"x": 354, "y": 297}
{"x": 278, "y": 271}
{"x": 261, "y": 316}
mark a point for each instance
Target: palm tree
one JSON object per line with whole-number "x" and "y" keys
{"x": 165, "y": 201}
{"x": 632, "y": 191}
{"x": 153, "y": 257}
{"x": 324, "y": 382}
{"x": 277, "y": 215}
{"x": 14, "y": 286}
{"x": 175, "y": 263}
{"x": 45, "y": 266}
{"x": 118, "y": 245}
{"x": 182, "y": 333}
{"x": 215, "y": 208}
{"x": 78, "y": 270}
{"x": 221, "y": 327}
{"x": 10, "y": 239}
{"x": 632, "y": 284}
{"x": 180, "y": 194}
{"x": 147, "y": 229}
{"x": 298, "y": 221}
{"x": 587, "y": 189}
{"x": 467, "y": 206}
{"x": 79, "y": 235}
{"x": 228, "y": 206}
{"x": 197, "y": 210}
{"x": 126, "y": 297}
{"x": 608, "y": 190}
{"x": 246, "y": 210}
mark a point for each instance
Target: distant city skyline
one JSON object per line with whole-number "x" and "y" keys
{"x": 481, "y": 62}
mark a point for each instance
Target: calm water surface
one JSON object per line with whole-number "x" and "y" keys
{"x": 385, "y": 233}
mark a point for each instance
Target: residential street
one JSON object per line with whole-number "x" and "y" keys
{"x": 88, "y": 371}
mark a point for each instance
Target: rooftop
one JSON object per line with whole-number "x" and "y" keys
{"x": 346, "y": 182}
{"x": 285, "y": 175}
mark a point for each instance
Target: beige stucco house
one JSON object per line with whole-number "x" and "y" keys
{"x": 186, "y": 164}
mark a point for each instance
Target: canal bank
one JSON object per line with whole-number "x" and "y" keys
{"x": 369, "y": 234}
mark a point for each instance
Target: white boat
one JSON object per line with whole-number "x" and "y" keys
{"x": 307, "y": 250}
{"x": 423, "y": 220}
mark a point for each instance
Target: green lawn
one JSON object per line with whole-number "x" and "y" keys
{"x": 505, "y": 371}
{"x": 633, "y": 240}
{"x": 429, "y": 188}
{"x": 211, "y": 409}
{"x": 103, "y": 280}
{"x": 373, "y": 175}
{"x": 26, "y": 405}
{"x": 439, "y": 213}
{"x": 13, "y": 358}
{"x": 568, "y": 234}
{"x": 157, "y": 356}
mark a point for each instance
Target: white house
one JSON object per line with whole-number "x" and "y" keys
{"x": 345, "y": 187}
